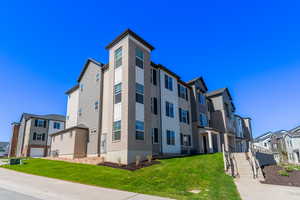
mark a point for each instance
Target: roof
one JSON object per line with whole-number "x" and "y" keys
{"x": 294, "y": 130}
{"x": 198, "y": 78}
{"x": 54, "y": 117}
{"x": 80, "y": 126}
{"x": 218, "y": 92}
{"x": 160, "y": 66}
{"x": 131, "y": 33}
{"x": 72, "y": 89}
{"x": 263, "y": 136}
{"x": 86, "y": 66}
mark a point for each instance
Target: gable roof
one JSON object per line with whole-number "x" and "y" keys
{"x": 200, "y": 79}
{"x": 131, "y": 33}
{"x": 49, "y": 117}
{"x": 72, "y": 89}
{"x": 86, "y": 66}
{"x": 218, "y": 92}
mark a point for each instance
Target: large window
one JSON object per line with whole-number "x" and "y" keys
{"x": 56, "y": 125}
{"x": 155, "y": 136}
{"x": 154, "y": 105}
{"x": 183, "y": 92}
{"x": 139, "y": 130}
{"x": 40, "y": 123}
{"x": 39, "y": 136}
{"x": 116, "y": 130}
{"x": 139, "y": 58}
{"x": 168, "y": 82}
{"x": 118, "y": 57}
{"x": 139, "y": 93}
{"x": 201, "y": 99}
{"x": 203, "y": 120}
{"x": 170, "y": 137}
{"x": 169, "y": 109}
{"x": 184, "y": 116}
{"x": 118, "y": 94}
{"x": 153, "y": 76}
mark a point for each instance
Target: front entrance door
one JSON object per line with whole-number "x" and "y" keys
{"x": 103, "y": 147}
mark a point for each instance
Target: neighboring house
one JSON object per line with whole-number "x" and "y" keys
{"x": 292, "y": 144}
{"x": 263, "y": 141}
{"x": 30, "y": 136}
{"x": 4, "y": 146}
{"x": 132, "y": 107}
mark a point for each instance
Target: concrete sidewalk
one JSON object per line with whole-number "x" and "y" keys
{"x": 53, "y": 189}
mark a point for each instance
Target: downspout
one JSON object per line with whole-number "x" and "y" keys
{"x": 100, "y": 111}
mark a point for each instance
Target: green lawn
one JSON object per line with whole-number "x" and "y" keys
{"x": 171, "y": 178}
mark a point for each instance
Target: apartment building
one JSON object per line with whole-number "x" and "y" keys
{"x": 243, "y": 134}
{"x": 132, "y": 107}
{"x": 30, "y": 136}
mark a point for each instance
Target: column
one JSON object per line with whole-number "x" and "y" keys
{"x": 210, "y": 143}
{"x": 219, "y": 142}
{"x": 226, "y": 142}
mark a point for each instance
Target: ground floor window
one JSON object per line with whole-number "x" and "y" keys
{"x": 185, "y": 140}
{"x": 116, "y": 130}
{"x": 139, "y": 130}
{"x": 154, "y": 135}
{"x": 170, "y": 137}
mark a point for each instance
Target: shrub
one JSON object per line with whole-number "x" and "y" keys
{"x": 289, "y": 168}
{"x": 119, "y": 161}
{"x": 283, "y": 173}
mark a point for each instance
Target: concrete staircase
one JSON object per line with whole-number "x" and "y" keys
{"x": 243, "y": 168}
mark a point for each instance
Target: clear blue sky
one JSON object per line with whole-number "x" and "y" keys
{"x": 251, "y": 47}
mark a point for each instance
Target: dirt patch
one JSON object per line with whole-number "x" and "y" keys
{"x": 272, "y": 176}
{"x": 130, "y": 167}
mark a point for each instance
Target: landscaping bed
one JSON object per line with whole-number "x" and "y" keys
{"x": 177, "y": 178}
{"x": 130, "y": 167}
{"x": 279, "y": 175}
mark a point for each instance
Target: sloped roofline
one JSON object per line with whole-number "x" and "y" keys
{"x": 86, "y": 66}
{"x": 198, "y": 78}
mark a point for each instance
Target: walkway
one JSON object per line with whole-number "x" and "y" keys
{"x": 251, "y": 189}
{"x": 24, "y": 186}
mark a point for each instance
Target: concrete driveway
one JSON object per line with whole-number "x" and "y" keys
{"x": 20, "y": 186}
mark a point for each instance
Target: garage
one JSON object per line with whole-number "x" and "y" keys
{"x": 37, "y": 152}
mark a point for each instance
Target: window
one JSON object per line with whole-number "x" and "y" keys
{"x": 182, "y": 92}
{"x": 203, "y": 120}
{"x": 56, "y": 125}
{"x": 34, "y": 136}
{"x": 185, "y": 140}
{"x": 139, "y": 58}
{"x": 184, "y": 116}
{"x": 154, "y": 105}
{"x": 80, "y": 112}
{"x": 154, "y": 135}
{"x": 153, "y": 76}
{"x": 227, "y": 109}
{"x": 118, "y": 94}
{"x": 116, "y": 131}
{"x": 139, "y": 130}
{"x": 139, "y": 95}
{"x": 93, "y": 131}
{"x": 40, "y": 123}
{"x": 201, "y": 99}
{"x": 170, "y": 137}
{"x": 97, "y": 77}
{"x": 169, "y": 109}
{"x": 43, "y": 136}
{"x": 96, "y": 105}
{"x": 81, "y": 87}
{"x": 118, "y": 57}
{"x": 168, "y": 82}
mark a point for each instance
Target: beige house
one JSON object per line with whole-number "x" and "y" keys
{"x": 131, "y": 107}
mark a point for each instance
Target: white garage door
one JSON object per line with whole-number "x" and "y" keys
{"x": 36, "y": 152}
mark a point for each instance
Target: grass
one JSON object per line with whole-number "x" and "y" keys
{"x": 172, "y": 178}
{"x": 283, "y": 172}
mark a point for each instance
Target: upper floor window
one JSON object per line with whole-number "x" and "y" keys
{"x": 116, "y": 130}
{"x": 227, "y": 109}
{"x": 118, "y": 94}
{"x": 96, "y": 105}
{"x": 40, "y": 123}
{"x": 81, "y": 87}
{"x": 169, "y": 109}
{"x": 154, "y": 76}
{"x": 182, "y": 92}
{"x": 201, "y": 99}
{"x": 80, "y": 112}
{"x": 170, "y": 137}
{"x": 118, "y": 57}
{"x": 139, "y": 58}
{"x": 184, "y": 116}
{"x": 56, "y": 125}
{"x": 155, "y": 136}
{"x": 39, "y": 136}
{"x": 139, "y": 93}
{"x": 203, "y": 120}
{"x": 154, "y": 105}
{"x": 168, "y": 82}
{"x": 97, "y": 77}
{"x": 139, "y": 130}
